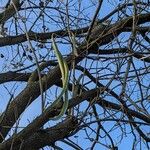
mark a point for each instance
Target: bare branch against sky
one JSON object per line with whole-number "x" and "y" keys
{"x": 75, "y": 74}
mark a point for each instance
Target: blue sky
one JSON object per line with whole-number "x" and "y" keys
{"x": 35, "y": 109}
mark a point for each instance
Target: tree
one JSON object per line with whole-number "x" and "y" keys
{"x": 106, "y": 47}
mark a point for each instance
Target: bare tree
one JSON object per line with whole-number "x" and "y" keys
{"x": 106, "y": 45}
